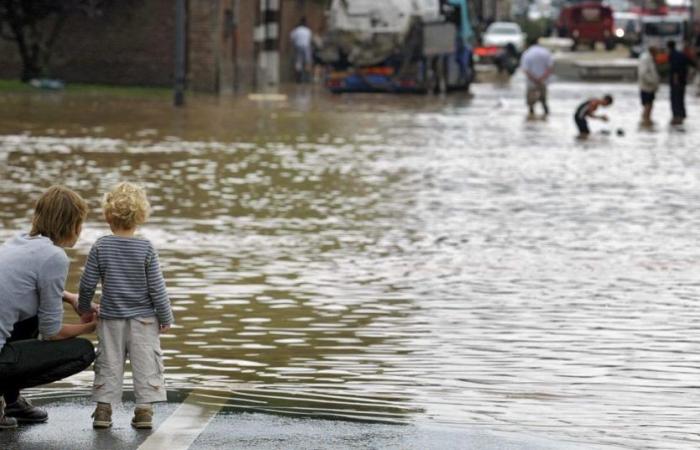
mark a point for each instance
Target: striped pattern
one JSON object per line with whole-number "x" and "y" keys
{"x": 132, "y": 283}
{"x": 266, "y": 37}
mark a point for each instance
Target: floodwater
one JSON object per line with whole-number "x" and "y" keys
{"x": 399, "y": 258}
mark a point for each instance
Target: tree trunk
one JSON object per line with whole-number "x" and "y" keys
{"x": 46, "y": 44}
{"x": 29, "y": 70}
{"x": 35, "y": 41}
{"x": 34, "y": 25}
{"x": 29, "y": 51}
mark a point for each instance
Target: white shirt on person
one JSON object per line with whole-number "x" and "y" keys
{"x": 648, "y": 74}
{"x": 537, "y": 61}
{"x": 301, "y": 37}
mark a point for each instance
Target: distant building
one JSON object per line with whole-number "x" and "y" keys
{"x": 493, "y": 9}
{"x": 518, "y": 8}
{"x": 231, "y": 44}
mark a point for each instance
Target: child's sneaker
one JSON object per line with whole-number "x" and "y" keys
{"x": 6, "y": 422}
{"x": 143, "y": 418}
{"x": 102, "y": 417}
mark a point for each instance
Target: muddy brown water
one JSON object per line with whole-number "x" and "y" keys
{"x": 400, "y": 258}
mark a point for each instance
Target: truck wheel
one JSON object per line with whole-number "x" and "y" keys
{"x": 574, "y": 46}
{"x": 425, "y": 75}
{"x": 592, "y": 45}
{"x": 610, "y": 45}
{"x": 439, "y": 76}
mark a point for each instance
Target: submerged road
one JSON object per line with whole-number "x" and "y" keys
{"x": 391, "y": 271}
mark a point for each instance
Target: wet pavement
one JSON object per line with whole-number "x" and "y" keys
{"x": 420, "y": 262}
{"x": 255, "y": 431}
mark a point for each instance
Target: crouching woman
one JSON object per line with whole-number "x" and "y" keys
{"x": 35, "y": 346}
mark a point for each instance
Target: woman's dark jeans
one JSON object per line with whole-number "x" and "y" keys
{"x": 26, "y": 361}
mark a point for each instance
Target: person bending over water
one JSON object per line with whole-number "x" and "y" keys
{"x": 36, "y": 347}
{"x": 588, "y": 109}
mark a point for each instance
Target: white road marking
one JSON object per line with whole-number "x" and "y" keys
{"x": 180, "y": 430}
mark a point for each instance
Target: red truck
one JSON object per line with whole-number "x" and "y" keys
{"x": 587, "y": 22}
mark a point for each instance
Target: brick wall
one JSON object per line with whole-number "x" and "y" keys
{"x": 126, "y": 45}
{"x": 245, "y": 48}
{"x": 204, "y": 24}
{"x": 134, "y": 45}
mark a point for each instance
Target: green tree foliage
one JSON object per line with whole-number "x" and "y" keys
{"x": 34, "y": 25}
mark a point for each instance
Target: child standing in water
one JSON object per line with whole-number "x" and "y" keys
{"x": 134, "y": 308}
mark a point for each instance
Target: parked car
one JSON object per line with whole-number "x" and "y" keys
{"x": 500, "y": 34}
{"x": 587, "y": 22}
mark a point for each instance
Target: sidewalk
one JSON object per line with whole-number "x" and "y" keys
{"x": 69, "y": 427}
{"x": 598, "y": 65}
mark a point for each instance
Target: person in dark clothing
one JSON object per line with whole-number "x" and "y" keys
{"x": 588, "y": 109}
{"x": 26, "y": 361}
{"x": 679, "y": 63}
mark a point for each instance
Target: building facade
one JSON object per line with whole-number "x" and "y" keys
{"x": 231, "y": 44}
{"x": 493, "y": 10}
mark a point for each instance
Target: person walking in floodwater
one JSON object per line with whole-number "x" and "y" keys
{"x": 134, "y": 308}
{"x": 679, "y": 63}
{"x": 648, "y": 83}
{"x": 36, "y": 347}
{"x": 302, "y": 41}
{"x": 537, "y": 64}
{"x": 588, "y": 109}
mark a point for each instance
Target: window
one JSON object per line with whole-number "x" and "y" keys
{"x": 590, "y": 14}
{"x": 662, "y": 29}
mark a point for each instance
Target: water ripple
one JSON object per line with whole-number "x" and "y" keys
{"x": 403, "y": 259}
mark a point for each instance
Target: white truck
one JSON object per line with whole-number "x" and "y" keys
{"x": 397, "y": 46}
{"x": 657, "y": 30}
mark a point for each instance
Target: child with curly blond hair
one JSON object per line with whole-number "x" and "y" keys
{"x": 134, "y": 308}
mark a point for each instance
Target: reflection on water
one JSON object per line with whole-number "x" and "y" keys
{"x": 402, "y": 258}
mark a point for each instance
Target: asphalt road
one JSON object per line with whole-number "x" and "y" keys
{"x": 69, "y": 427}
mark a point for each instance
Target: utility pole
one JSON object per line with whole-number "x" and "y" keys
{"x": 267, "y": 39}
{"x": 180, "y": 45}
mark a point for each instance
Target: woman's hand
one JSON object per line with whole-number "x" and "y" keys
{"x": 93, "y": 314}
{"x": 72, "y": 299}
{"x": 92, "y": 325}
{"x": 164, "y": 328}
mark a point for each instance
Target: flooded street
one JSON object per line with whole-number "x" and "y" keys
{"x": 402, "y": 258}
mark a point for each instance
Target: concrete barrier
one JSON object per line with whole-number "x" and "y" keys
{"x": 556, "y": 44}
{"x": 620, "y": 69}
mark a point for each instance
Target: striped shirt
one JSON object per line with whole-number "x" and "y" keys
{"x": 132, "y": 283}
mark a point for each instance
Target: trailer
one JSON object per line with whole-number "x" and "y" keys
{"x": 416, "y": 46}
